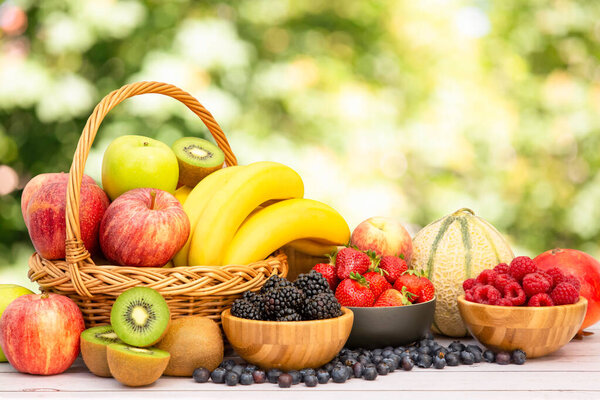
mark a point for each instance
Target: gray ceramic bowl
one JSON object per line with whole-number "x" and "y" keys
{"x": 378, "y": 327}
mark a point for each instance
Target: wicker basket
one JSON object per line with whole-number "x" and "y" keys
{"x": 196, "y": 290}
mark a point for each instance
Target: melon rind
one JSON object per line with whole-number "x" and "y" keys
{"x": 450, "y": 250}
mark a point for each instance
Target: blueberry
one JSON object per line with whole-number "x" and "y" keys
{"x": 452, "y": 359}
{"x": 387, "y": 353}
{"x": 377, "y": 352}
{"x": 477, "y": 356}
{"x": 407, "y": 363}
{"x": 246, "y": 378}
{"x": 350, "y": 362}
{"x": 366, "y": 353}
{"x": 428, "y": 335}
{"x": 227, "y": 364}
{"x": 364, "y": 359}
{"x": 273, "y": 375}
{"x": 323, "y": 376}
{"x": 201, "y": 375}
{"x": 466, "y": 357}
{"x": 339, "y": 374}
{"x": 231, "y": 378}
{"x": 238, "y": 369}
{"x": 399, "y": 350}
{"x": 377, "y": 358}
{"x": 218, "y": 375}
{"x": 296, "y": 377}
{"x": 456, "y": 346}
{"x": 424, "y": 350}
{"x": 439, "y": 362}
{"x": 250, "y": 368}
{"x": 503, "y": 358}
{"x": 424, "y": 361}
{"x": 284, "y": 380}
{"x": 423, "y": 342}
{"x": 391, "y": 364}
{"x": 518, "y": 357}
{"x": 259, "y": 376}
{"x": 328, "y": 367}
{"x": 382, "y": 368}
{"x": 370, "y": 373}
{"x": 397, "y": 360}
{"x": 489, "y": 356}
{"x": 358, "y": 370}
{"x": 311, "y": 380}
{"x": 411, "y": 349}
{"x": 306, "y": 372}
{"x": 414, "y": 356}
{"x": 390, "y": 348}
{"x": 472, "y": 348}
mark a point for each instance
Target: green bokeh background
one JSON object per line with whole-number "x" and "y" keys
{"x": 410, "y": 109}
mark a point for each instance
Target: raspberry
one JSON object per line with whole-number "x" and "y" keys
{"x": 535, "y": 283}
{"x": 502, "y": 280}
{"x": 564, "y": 293}
{"x": 515, "y": 293}
{"x": 557, "y": 275}
{"x": 469, "y": 295}
{"x": 503, "y": 302}
{"x": 487, "y": 277}
{"x": 547, "y": 276}
{"x": 574, "y": 281}
{"x": 486, "y": 294}
{"x": 469, "y": 284}
{"x": 521, "y": 266}
{"x": 501, "y": 268}
{"x": 540, "y": 300}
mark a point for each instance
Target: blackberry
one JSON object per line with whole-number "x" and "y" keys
{"x": 244, "y": 309}
{"x": 312, "y": 284}
{"x": 322, "y": 306}
{"x": 274, "y": 282}
{"x": 278, "y": 301}
{"x": 293, "y": 316}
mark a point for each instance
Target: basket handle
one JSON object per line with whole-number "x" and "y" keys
{"x": 76, "y": 252}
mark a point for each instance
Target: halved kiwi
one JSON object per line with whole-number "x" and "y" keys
{"x": 134, "y": 366}
{"x": 93, "y": 343}
{"x": 197, "y": 158}
{"x": 140, "y": 316}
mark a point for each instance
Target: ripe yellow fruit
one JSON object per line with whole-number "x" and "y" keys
{"x": 313, "y": 247}
{"x": 451, "y": 250}
{"x": 182, "y": 193}
{"x": 278, "y": 224}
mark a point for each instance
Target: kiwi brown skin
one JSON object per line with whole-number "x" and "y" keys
{"x": 193, "y": 342}
{"x": 94, "y": 355}
{"x": 133, "y": 369}
{"x": 193, "y": 168}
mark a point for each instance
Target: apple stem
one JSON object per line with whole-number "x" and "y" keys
{"x": 45, "y": 295}
{"x": 152, "y": 199}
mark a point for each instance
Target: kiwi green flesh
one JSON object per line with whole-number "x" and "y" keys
{"x": 196, "y": 152}
{"x": 104, "y": 334}
{"x": 152, "y": 352}
{"x": 140, "y": 316}
{"x": 93, "y": 348}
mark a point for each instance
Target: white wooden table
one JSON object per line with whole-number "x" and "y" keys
{"x": 573, "y": 372}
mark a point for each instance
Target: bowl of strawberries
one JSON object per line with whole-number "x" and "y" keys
{"x": 392, "y": 305}
{"x": 519, "y": 306}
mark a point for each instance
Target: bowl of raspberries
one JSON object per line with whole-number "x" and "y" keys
{"x": 520, "y": 306}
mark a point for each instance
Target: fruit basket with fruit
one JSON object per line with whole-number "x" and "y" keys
{"x": 189, "y": 290}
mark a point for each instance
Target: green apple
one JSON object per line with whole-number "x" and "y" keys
{"x": 8, "y": 293}
{"x": 138, "y": 162}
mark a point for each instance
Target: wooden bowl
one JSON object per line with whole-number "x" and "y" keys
{"x": 535, "y": 330}
{"x": 287, "y": 345}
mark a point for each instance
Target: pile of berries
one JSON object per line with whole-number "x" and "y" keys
{"x": 522, "y": 283}
{"x": 362, "y": 364}
{"x": 307, "y": 298}
{"x": 361, "y": 279}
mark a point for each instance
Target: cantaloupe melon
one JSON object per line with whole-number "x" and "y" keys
{"x": 450, "y": 250}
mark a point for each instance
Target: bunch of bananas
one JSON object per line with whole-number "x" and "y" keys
{"x": 241, "y": 214}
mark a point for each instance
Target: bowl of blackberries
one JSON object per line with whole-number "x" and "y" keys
{"x": 288, "y": 325}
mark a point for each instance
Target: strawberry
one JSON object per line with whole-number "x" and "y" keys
{"x": 391, "y": 298}
{"x": 412, "y": 282}
{"x": 354, "y": 292}
{"x": 328, "y": 271}
{"x": 426, "y": 292}
{"x": 350, "y": 260}
{"x": 393, "y": 267}
{"x": 377, "y": 282}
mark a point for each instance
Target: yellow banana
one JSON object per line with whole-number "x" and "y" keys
{"x": 312, "y": 247}
{"x": 274, "y": 226}
{"x": 182, "y": 193}
{"x": 197, "y": 200}
{"x": 234, "y": 201}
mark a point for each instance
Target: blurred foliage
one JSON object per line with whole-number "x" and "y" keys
{"x": 402, "y": 108}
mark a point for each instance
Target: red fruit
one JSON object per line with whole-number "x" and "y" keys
{"x": 564, "y": 293}
{"x": 535, "y": 283}
{"x": 350, "y": 260}
{"x": 521, "y": 266}
{"x": 377, "y": 282}
{"x": 503, "y": 302}
{"x": 502, "y": 280}
{"x": 412, "y": 283}
{"x": 501, "y": 268}
{"x": 556, "y": 274}
{"x": 469, "y": 284}
{"x": 355, "y": 292}
{"x": 515, "y": 293}
{"x": 391, "y": 298}
{"x": 393, "y": 267}
{"x": 486, "y": 294}
{"x": 573, "y": 281}
{"x": 587, "y": 271}
{"x": 328, "y": 271}
{"x": 426, "y": 292}
{"x": 469, "y": 295}
{"x": 540, "y": 300}
{"x": 487, "y": 277}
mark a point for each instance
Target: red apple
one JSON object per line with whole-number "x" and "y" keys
{"x": 583, "y": 266}
{"x": 144, "y": 227}
{"x": 45, "y": 216}
{"x": 39, "y": 333}
{"x": 40, "y": 180}
{"x": 384, "y": 236}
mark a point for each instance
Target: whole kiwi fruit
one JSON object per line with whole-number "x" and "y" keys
{"x": 193, "y": 342}
{"x": 135, "y": 366}
{"x": 197, "y": 158}
{"x": 140, "y": 316}
{"x": 93, "y": 343}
